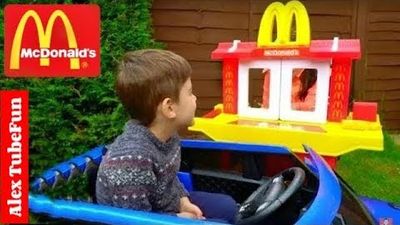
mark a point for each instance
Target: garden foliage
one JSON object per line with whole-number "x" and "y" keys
{"x": 69, "y": 116}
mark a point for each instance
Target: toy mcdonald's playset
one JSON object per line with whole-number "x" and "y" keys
{"x": 287, "y": 89}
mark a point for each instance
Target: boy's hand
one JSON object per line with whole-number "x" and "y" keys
{"x": 187, "y": 207}
{"x": 186, "y": 215}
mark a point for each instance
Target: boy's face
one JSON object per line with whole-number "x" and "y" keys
{"x": 186, "y": 106}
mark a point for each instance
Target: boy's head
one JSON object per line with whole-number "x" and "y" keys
{"x": 148, "y": 77}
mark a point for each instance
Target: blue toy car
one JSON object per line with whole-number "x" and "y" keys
{"x": 307, "y": 193}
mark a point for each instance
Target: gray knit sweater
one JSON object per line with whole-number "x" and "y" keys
{"x": 139, "y": 172}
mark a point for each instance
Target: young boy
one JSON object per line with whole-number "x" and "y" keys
{"x": 139, "y": 169}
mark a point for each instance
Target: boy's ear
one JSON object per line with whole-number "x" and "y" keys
{"x": 167, "y": 108}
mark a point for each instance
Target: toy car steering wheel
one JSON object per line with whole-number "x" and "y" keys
{"x": 270, "y": 196}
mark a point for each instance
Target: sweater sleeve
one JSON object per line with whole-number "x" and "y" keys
{"x": 130, "y": 182}
{"x": 182, "y": 192}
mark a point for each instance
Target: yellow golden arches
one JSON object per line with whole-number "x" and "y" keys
{"x": 338, "y": 95}
{"x": 228, "y": 74}
{"x": 228, "y": 91}
{"x": 44, "y": 37}
{"x": 283, "y": 16}
{"x": 337, "y": 114}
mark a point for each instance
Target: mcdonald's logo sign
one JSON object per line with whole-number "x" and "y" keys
{"x": 52, "y": 41}
{"x": 284, "y": 16}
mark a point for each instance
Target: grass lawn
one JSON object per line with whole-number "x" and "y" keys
{"x": 374, "y": 174}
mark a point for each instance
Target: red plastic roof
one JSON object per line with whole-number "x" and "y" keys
{"x": 346, "y": 48}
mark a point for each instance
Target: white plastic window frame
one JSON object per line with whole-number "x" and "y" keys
{"x": 272, "y": 112}
{"x": 319, "y": 115}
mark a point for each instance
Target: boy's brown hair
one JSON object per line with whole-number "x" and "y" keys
{"x": 146, "y": 77}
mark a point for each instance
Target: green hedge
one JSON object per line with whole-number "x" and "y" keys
{"x": 68, "y": 116}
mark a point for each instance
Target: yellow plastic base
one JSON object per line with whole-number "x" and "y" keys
{"x": 329, "y": 139}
